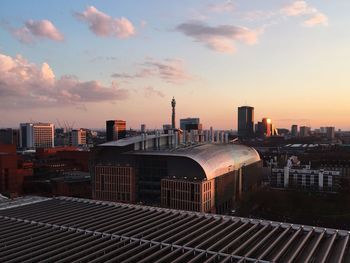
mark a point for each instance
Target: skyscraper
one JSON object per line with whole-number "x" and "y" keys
{"x": 115, "y": 130}
{"x": 35, "y": 135}
{"x": 305, "y": 131}
{"x": 294, "y": 130}
{"x": 173, "y": 104}
{"x": 245, "y": 121}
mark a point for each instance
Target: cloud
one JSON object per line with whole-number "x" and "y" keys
{"x": 226, "y": 7}
{"x": 104, "y": 25}
{"x": 33, "y": 30}
{"x": 317, "y": 19}
{"x": 169, "y": 70}
{"x": 302, "y": 8}
{"x": 103, "y": 58}
{"x": 220, "y": 38}
{"x": 24, "y": 84}
{"x": 151, "y": 92}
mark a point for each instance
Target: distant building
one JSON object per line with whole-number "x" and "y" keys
{"x": 143, "y": 128}
{"x": 305, "y": 131}
{"x": 154, "y": 170}
{"x": 303, "y": 177}
{"x": 115, "y": 130}
{"x": 190, "y": 124}
{"x": 9, "y": 136}
{"x": 294, "y": 130}
{"x": 267, "y": 126}
{"x": 245, "y": 122}
{"x": 330, "y": 132}
{"x": 167, "y": 127}
{"x": 77, "y": 137}
{"x": 37, "y": 135}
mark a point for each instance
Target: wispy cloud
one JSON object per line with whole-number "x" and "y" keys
{"x": 151, "y": 92}
{"x": 169, "y": 70}
{"x": 24, "y": 84}
{"x": 225, "y": 7}
{"x": 302, "y": 8}
{"x": 104, "y": 25}
{"x": 32, "y": 31}
{"x": 219, "y": 38}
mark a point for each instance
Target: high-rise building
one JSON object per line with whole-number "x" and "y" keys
{"x": 173, "y": 104}
{"x": 245, "y": 121}
{"x": 37, "y": 135}
{"x": 294, "y": 130}
{"x": 305, "y": 131}
{"x": 190, "y": 124}
{"x": 267, "y": 126}
{"x": 77, "y": 137}
{"x": 330, "y": 131}
{"x": 115, "y": 130}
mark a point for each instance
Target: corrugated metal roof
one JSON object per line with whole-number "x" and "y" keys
{"x": 80, "y": 230}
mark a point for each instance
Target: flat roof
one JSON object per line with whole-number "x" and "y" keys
{"x": 130, "y": 140}
{"x": 79, "y": 230}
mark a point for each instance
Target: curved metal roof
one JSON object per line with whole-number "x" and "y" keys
{"x": 215, "y": 159}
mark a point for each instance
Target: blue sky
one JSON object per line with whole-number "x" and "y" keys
{"x": 289, "y": 59}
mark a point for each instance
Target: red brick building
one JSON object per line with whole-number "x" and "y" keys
{"x": 12, "y": 171}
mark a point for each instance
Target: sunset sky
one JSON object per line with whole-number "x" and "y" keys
{"x": 89, "y": 61}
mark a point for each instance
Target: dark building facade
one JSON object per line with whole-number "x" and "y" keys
{"x": 9, "y": 136}
{"x": 205, "y": 177}
{"x": 190, "y": 124}
{"x": 115, "y": 130}
{"x": 245, "y": 122}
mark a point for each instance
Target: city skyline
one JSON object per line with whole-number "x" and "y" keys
{"x": 91, "y": 61}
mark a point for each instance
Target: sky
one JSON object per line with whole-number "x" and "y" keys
{"x": 85, "y": 62}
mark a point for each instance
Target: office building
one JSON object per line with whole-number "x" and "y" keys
{"x": 39, "y": 229}
{"x": 189, "y": 124}
{"x": 157, "y": 170}
{"x": 245, "y": 122}
{"x": 167, "y": 127}
{"x": 330, "y": 132}
{"x": 77, "y": 137}
{"x": 303, "y": 177}
{"x": 294, "y": 130}
{"x": 115, "y": 130}
{"x": 9, "y": 136}
{"x": 143, "y": 128}
{"x": 37, "y": 135}
{"x": 267, "y": 126}
{"x": 305, "y": 131}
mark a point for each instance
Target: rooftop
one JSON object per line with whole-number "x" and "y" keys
{"x": 80, "y": 230}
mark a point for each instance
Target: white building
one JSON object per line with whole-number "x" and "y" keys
{"x": 303, "y": 177}
{"x": 37, "y": 135}
{"x": 77, "y": 137}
